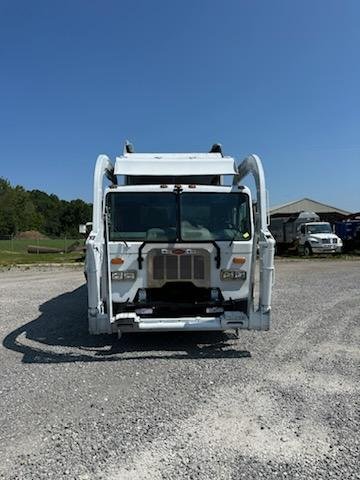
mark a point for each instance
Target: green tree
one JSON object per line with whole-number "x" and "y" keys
{"x": 22, "y": 210}
{"x": 8, "y": 215}
{"x": 74, "y": 213}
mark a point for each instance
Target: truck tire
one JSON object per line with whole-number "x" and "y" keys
{"x": 307, "y": 250}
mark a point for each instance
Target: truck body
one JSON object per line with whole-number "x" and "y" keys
{"x": 349, "y": 232}
{"x": 305, "y": 234}
{"x": 174, "y": 248}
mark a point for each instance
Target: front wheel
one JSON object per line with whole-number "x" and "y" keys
{"x": 307, "y": 250}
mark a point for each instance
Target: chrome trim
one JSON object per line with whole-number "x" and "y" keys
{"x": 191, "y": 266}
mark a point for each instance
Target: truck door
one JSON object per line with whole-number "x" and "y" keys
{"x": 302, "y": 235}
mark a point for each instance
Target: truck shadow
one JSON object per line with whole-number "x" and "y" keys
{"x": 60, "y": 335}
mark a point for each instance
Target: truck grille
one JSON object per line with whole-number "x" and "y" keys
{"x": 326, "y": 240}
{"x": 165, "y": 267}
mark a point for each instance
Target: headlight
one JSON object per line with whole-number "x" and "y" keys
{"x": 124, "y": 275}
{"x": 312, "y": 240}
{"x": 232, "y": 275}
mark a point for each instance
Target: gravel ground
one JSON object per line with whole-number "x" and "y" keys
{"x": 279, "y": 404}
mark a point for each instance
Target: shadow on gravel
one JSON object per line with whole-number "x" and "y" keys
{"x": 60, "y": 335}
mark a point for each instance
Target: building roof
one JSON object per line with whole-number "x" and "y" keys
{"x": 306, "y": 204}
{"x": 354, "y": 216}
{"x": 174, "y": 164}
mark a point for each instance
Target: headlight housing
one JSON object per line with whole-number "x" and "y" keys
{"x": 129, "y": 275}
{"x": 232, "y": 275}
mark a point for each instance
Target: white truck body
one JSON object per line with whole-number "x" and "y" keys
{"x": 173, "y": 248}
{"x": 305, "y": 233}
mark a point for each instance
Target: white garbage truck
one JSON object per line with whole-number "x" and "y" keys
{"x": 173, "y": 246}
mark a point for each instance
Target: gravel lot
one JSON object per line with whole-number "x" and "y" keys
{"x": 279, "y": 404}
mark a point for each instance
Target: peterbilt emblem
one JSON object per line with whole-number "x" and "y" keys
{"x": 178, "y": 251}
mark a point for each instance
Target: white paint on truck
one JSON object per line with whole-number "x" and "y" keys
{"x": 174, "y": 248}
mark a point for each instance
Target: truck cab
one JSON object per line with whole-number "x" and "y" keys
{"x": 317, "y": 237}
{"x": 173, "y": 247}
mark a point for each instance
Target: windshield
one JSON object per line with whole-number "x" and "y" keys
{"x": 319, "y": 228}
{"x": 142, "y": 216}
{"x": 215, "y": 216}
{"x": 152, "y": 216}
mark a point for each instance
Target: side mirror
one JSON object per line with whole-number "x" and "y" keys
{"x": 85, "y": 228}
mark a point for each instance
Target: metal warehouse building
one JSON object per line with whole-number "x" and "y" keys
{"x": 327, "y": 213}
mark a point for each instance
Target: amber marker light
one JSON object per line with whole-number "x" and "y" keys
{"x": 239, "y": 260}
{"x": 117, "y": 261}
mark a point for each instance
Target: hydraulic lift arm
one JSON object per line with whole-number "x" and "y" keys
{"x": 261, "y": 318}
{"x": 95, "y": 245}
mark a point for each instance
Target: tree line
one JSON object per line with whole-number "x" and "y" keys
{"x": 22, "y": 210}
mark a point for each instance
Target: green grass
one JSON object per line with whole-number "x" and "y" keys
{"x": 21, "y": 245}
{"x": 14, "y": 252}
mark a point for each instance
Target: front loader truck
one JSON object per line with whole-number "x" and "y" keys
{"x": 173, "y": 246}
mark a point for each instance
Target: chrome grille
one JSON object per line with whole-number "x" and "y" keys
{"x": 176, "y": 267}
{"x": 199, "y": 267}
{"x": 171, "y": 270}
{"x": 158, "y": 267}
{"x": 185, "y": 267}
{"x": 164, "y": 267}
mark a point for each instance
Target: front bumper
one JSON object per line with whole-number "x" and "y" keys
{"x": 333, "y": 248}
{"x": 131, "y": 322}
{"x": 197, "y": 309}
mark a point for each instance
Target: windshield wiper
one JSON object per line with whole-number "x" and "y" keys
{"x": 237, "y": 230}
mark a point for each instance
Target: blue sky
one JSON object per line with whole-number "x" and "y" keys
{"x": 278, "y": 78}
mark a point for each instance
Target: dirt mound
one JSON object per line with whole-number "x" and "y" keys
{"x": 31, "y": 235}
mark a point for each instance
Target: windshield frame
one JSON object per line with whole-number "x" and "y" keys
{"x": 179, "y": 239}
{"x": 308, "y": 227}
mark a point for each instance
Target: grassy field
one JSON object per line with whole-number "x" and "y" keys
{"x": 14, "y": 252}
